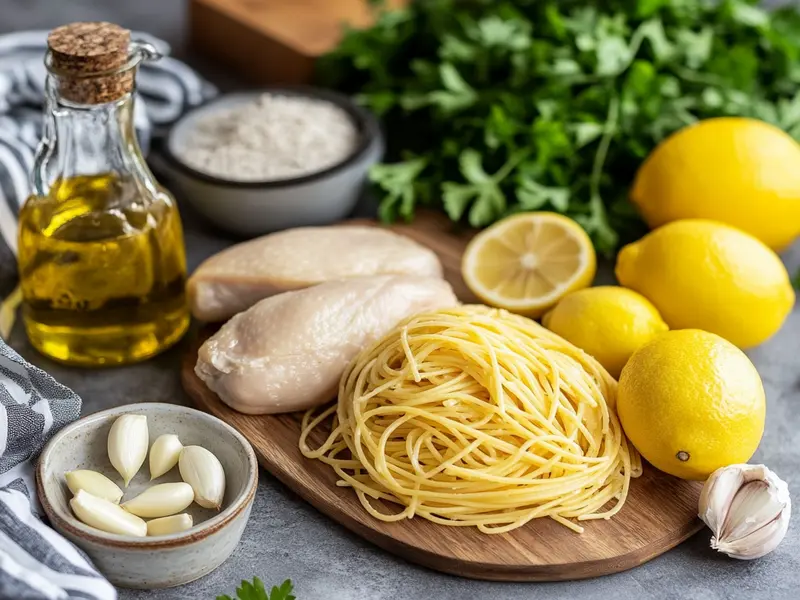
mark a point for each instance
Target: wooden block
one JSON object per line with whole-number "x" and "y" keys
{"x": 273, "y": 41}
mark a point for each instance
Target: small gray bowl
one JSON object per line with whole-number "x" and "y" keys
{"x": 160, "y": 561}
{"x": 257, "y": 207}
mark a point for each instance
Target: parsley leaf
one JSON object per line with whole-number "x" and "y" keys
{"x": 399, "y": 182}
{"x": 534, "y": 196}
{"x": 284, "y": 592}
{"x": 482, "y": 190}
{"x": 257, "y": 591}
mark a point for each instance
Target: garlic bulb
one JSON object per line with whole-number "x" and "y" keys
{"x": 164, "y": 454}
{"x": 203, "y": 471}
{"x": 748, "y": 509}
{"x": 167, "y": 525}
{"x": 106, "y": 516}
{"x": 95, "y": 483}
{"x": 127, "y": 445}
{"x": 161, "y": 500}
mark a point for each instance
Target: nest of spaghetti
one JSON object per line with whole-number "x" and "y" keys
{"x": 473, "y": 416}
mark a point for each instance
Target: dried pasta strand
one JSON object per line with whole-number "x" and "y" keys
{"x": 473, "y": 416}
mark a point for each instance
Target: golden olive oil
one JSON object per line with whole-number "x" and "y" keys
{"x": 102, "y": 269}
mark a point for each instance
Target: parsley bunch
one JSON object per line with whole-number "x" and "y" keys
{"x": 492, "y": 107}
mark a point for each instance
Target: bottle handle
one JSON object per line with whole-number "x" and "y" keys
{"x": 141, "y": 51}
{"x": 39, "y": 179}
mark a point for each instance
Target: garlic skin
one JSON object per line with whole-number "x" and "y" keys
{"x": 106, "y": 516}
{"x": 127, "y": 445}
{"x": 95, "y": 483}
{"x": 748, "y": 508}
{"x": 167, "y": 525}
{"x": 203, "y": 471}
{"x": 164, "y": 454}
{"x": 161, "y": 500}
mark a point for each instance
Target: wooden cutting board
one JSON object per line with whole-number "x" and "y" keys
{"x": 661, "y": 511}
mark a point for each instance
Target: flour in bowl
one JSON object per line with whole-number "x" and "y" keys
{"x": 273, "y": 137}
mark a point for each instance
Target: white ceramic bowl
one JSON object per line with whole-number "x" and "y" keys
{"x": 257, "y": 207}
{"x": 160, "y": 561}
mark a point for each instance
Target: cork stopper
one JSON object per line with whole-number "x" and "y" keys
{"x": 80, "y": 50}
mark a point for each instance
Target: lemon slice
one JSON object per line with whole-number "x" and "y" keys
{"x": 527, "y": 262}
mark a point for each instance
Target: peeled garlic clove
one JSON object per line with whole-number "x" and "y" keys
{"x": 161, "y": 500}
{"x": 203, "y": 471}
{"x": 127, "y": 445}
{"x": 164, "y": 454}
{"x": 95, "y": 483}
{"x": 106, "y": 516}
{"x": 167, "y": 525}
{"x": 748, "y": 509}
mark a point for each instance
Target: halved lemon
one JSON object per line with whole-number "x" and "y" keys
{"x": 527, "y": 262}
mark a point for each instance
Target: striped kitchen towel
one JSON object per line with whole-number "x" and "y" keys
{"x": 35, "y": 562}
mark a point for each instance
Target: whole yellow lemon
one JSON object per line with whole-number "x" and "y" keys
{"x": 691, "y": 402}
{"x": 705, "y": 275}
{"x": 607, "y": 322}
{"x": 739, "y": 171}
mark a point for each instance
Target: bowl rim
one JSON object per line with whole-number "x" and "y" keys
{"x": 365, "y": 122}
{"x": 183, "y": 538}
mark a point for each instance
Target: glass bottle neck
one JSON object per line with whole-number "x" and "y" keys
{"x": 83, "y": 140}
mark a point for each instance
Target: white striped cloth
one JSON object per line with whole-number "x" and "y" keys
{"x": 36, "y": 563}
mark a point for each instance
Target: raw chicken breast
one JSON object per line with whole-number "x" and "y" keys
{"x": 288, "y": 352}
{"x": 236, "y": 278}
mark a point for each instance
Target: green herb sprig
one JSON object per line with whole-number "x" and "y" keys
{"x": 492, "y": 107}
{"x": 257, "y": 591}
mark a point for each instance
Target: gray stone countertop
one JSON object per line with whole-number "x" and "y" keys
{"x": 287, "y": 538}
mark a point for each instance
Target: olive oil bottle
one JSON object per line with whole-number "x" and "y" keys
{"x": 101, "y": 256}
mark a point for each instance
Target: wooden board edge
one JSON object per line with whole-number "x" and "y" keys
{"x": 475, "y": 570}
